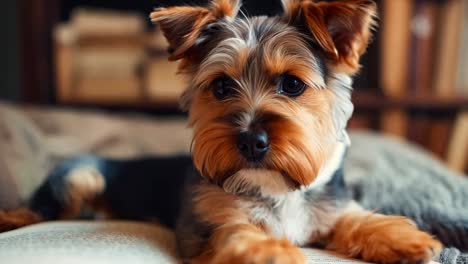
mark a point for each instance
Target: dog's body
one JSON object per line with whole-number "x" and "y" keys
{"x": 94, "y": 187}
{"x": 268, "y": 101}
{"x": 303, "y": 216}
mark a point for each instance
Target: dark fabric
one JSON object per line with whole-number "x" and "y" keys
{"x": 137, "y": 189}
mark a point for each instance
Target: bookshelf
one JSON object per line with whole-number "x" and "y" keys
{"x": 423, "y": 74}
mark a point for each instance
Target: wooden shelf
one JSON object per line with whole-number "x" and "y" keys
{"x": 157, "y": 107}
{"x": 369, "y": 100}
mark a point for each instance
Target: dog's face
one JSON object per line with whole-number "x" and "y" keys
{"x": 267, "y": 93}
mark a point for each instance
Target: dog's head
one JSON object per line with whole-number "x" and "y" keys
{"x": 268, "y": 97}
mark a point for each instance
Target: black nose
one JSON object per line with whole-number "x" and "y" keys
{"x": 253, "y": 144}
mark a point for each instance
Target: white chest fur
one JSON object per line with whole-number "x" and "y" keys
{"x": 285, "y": 213}
{"x": 292, "y": 217}
{"x": 289, "y": 219}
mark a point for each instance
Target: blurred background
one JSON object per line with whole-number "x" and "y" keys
{"x": 106, "y": 55}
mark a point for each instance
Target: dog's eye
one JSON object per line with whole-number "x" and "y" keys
{"x": 291, "y": 86}
{"x": 223, "y": 87}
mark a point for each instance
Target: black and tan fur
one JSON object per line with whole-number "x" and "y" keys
{"x": 237, "y": 211}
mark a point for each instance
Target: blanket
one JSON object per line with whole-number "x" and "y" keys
{"x": 395, "y": 177}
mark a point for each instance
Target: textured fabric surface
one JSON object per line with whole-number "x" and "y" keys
{"x": 385, "y": 174}
{"x": 451, "y": 256}
{"x": 394, "y": 177}
{"x": 113, "y": 242}
{"x": 89, "y": 242}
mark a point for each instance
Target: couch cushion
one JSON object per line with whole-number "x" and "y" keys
{"x": 105, "y": 242}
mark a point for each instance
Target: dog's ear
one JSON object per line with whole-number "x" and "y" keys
{"x": 183, "y": 25}
{"x": 342, "y": 29}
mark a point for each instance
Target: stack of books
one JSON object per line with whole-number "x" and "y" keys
{"x": 108, "y": 57}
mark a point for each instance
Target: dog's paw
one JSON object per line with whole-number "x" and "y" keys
{"x": 82, "y": 185}
{"x": 399, "y": 241}
{"x": 269, "y": 251}
{"x": 10, "y": 220}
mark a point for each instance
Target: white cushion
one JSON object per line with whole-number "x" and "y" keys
{"x": 102, "y": 242}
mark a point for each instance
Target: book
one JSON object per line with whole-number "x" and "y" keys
{"x": 462, "y": 71}
{"x": 162, "y": 82}
{"x": 361, "y": 121}
{"x": 394, "y": 122}
{"x": 98, "y": 62}
{"x": 395, "y": 34}
{"x": 457, "y": 154}
{"x": 418, "y": 130}
{"x": 64, "y": 38}
{"x": 448, "y": 53}
{"x": 439, "y": 134}
{"x": 107, "y": 90}
{"x": 99, "y": 57}
{"x": 98, "y": 22}
{"x": 423, "y": 25}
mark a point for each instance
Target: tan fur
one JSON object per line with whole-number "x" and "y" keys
{"x": 212, "y": 138}
{"x": 248, "y": 244}
{"x": 226, "y": 8}
{"x": 84, "y": 185}
{"x": 189, "y": 21}
{"x": 236, "y": 239}
{"x": 182, "y": 25}
{"x": 342, "y": 29}
{"x": 10, "y": 220}
{"x": 286, "y": 54}
{"x": 382, "y": 239}
{"x": 306, "y": 125}
{"x": 222, "y": 211}
{"x": 252, "y": 246}
{"x": 293, "y": 139}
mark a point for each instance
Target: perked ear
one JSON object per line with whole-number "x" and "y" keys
{"x": 183, "y": 25}
{"x": 342, "y": 29}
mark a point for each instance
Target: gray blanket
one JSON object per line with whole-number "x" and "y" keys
{"x": 397, "y": 178}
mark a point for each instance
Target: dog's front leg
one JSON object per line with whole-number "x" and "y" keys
{"x": 247, "y": 243}
{"x": 234, "y": 238}
{"x": 381, "y": 239}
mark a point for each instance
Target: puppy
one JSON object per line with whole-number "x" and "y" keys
{"x": 268, "y": 100}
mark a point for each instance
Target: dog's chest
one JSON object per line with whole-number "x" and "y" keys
{"x": 295, "y": 218}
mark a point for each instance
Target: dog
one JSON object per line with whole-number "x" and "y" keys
{"x": 268, "y": 99}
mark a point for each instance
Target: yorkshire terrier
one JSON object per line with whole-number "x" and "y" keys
{"x": 268, "y": 100}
